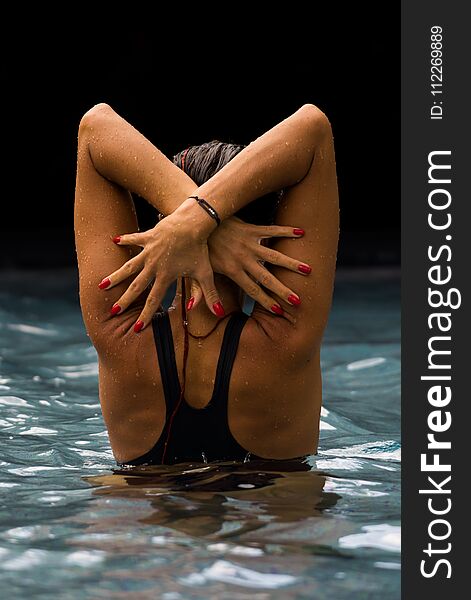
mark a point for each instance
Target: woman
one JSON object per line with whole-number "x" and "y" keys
{"x": 205, "y": 381}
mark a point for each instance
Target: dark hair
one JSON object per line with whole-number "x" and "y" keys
{"x": 203, "y": 161}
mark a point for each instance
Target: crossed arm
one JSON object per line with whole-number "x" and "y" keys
{"x": 179, "y": 245}
{"x": 235, "y": 250}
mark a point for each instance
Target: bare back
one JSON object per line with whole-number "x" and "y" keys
{"x": 273, "y": 408}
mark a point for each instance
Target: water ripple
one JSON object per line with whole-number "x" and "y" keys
{"x": 228, "y": 572}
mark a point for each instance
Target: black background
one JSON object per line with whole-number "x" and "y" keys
{"x": 189, "y": 88}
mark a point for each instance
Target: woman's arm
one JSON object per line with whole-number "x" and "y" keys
{"x": 278, "y": 159}
{"x": 121, "y": 154}
{"x": 124, "y": 156}
{"x": 297, "y": 155}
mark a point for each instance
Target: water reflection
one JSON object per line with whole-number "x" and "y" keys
{"x": 221, "y": 500}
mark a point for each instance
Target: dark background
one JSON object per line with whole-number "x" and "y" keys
{"x": 192, "y": 89}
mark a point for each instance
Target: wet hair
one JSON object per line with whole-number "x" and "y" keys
{"x": 203, "y": 161}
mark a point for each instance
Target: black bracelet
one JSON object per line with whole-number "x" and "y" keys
{"x": 208, "y": 208}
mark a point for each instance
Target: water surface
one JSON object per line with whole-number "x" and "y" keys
{"x": 74, "y": 525}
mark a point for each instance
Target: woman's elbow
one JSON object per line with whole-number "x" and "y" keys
{"x": 315, "y": 117}
{"x": 94, "y": 117}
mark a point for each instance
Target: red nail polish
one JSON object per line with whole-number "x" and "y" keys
{"x": 218, "y": 309}
{"x": 190, "y": 303}
{"x": 298, "y": 231}
{"x": 304, "y": 269}
{"x": 105, "y": 283}
{"x": 277, "y": 309}
{"x": 115, "y": 309}
{"x": 292, "y": 299}
{"x": 138, "y": 326}
{"x": 117, "y": 239}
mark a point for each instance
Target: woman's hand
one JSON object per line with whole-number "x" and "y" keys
{"x": 173, "y": 248}
{"x": 236, "y": 250}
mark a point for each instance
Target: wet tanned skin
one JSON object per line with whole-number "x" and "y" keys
{"x": 275, "y": 390}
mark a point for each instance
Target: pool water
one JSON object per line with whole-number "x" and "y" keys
{"x": 74, "y": 525}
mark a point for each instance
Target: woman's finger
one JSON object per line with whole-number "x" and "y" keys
{"x": 264, "y": 231}
{"x": 130, "y": 239}
{"x": 252, "y": 289}
{"x": 210, "y": 293}
{"x": 270, "y": 282}
{"x": 135, "y": 289}
{"x": 282, "y": 260}
{"x": 196, "y": 294}
{"x": 152, "y": 305}
{"x": 129, "y": 268}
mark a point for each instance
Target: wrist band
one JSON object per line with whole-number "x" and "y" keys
{"x": 208, "y": 208}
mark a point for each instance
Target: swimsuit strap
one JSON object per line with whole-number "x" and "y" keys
{"x": 229, "y": 346}
{"x": 166, "y": 354}
{"x": 168, "y": 366}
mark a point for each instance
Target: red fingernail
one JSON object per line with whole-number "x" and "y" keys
{"x": 292, "y": 299}
{"x": 304, "y": 269}
{"x": 115, "y": 309}
{"x": 105, "y": 283}
{"x": 138, "y": 326}
{"x": 298, "y": 231}
{"x": 277, "y": 309}
{"x": 117, "y": 239}
{"x": 190, "y": 303}
{"x": 218, "y": 309}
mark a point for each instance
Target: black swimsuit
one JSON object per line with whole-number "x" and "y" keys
{"x": 200, "y": 434}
